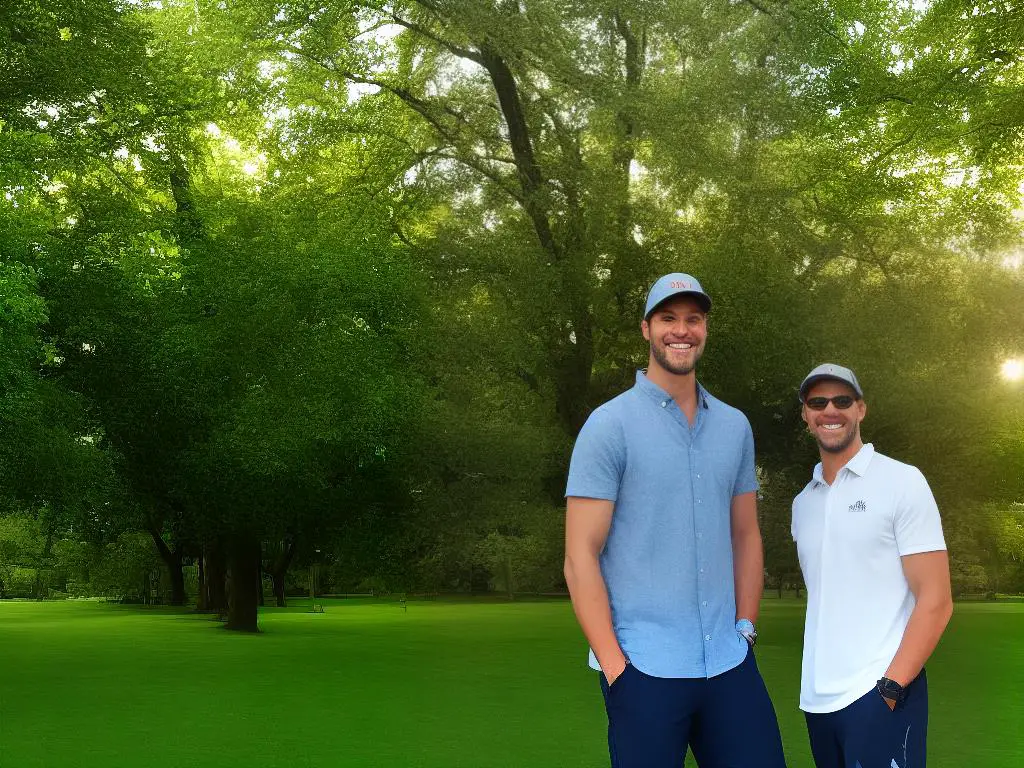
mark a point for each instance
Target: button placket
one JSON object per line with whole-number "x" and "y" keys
{"x": 693, "y": 433}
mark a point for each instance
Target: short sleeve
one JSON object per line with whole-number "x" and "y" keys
{"x": 746, "y": 476}
{"x": 792, "y": 519}
{"x": 917, "y": 524}
{"x": 598, "y": 458}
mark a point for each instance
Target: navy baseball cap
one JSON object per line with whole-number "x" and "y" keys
{"x": 830, "y": 371}
{"x": 676, "y": 284}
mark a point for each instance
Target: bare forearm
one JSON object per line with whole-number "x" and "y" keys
{"x": 748, "y": 571}
{"x": 926, "y": 625}
{"x": 593, "y": 610}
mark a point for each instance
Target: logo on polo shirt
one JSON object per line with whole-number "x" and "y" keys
{"x": 860, "y": 506}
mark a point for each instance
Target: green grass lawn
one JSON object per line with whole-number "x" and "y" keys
{"x": 443, "y": 684}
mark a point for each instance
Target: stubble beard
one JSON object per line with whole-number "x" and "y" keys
{"x": 840, "y": 446}
{"x": 679, "y": 369}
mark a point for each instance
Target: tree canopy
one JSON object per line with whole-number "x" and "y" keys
{"x": 339, "y": 282}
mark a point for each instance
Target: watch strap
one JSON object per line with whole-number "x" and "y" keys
{"x": 890, "y": 689}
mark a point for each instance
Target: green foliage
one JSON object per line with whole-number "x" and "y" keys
{"x": 353, "y": 275}
{"x": 985, "y": 544}
{"x": 21, "y": 313}
{"x": 19, "y": 544}
{"x": 525, "y": 563}
{"x": 126, "y": 569}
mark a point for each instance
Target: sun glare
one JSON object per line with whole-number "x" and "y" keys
{"x": 1013, "y": 369}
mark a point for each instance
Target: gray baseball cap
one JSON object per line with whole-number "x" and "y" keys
{"x": 830, "y": 371}
{"x": 676, "y": 284}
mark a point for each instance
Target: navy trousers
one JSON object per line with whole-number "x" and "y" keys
{"x": 727, "y": 720}
{"x": 867, "y": 734}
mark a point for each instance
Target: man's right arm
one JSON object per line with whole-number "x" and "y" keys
{"x": 587, "y": 522}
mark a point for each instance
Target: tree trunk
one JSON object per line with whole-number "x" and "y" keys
{"x": 259, "y": 582}
{"x": 243, "y": 602}
{"x": 203, "y": 598}
{"x": 279, "y": 569}
{"x": 188, "y": 226}
{"x": 573, "y": 359}
{"x": 178, "y": 596}
{"x": 216, "y": 574}
{"x": 574, "y": 365}
{"x": 172, "y": 559}
{"x": 278, "y": 579}
{"x": 510, "y": 587}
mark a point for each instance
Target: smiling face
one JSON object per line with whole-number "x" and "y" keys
{"x": 677, "y": 330}
{"x": 836, "y": 430}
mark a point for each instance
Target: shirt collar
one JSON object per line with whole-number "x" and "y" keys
{"x": 858, "y": 464}
{"x": 656, "y": 393}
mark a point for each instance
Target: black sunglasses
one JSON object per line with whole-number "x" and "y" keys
{"x": 842, "y": 402}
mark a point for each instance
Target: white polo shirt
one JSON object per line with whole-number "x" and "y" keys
{"x": 850, "y": 537}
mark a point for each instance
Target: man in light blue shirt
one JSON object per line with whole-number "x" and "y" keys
{"x": 664, "y": 559}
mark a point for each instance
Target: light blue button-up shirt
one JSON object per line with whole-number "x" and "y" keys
{"x": 667, "y": 562}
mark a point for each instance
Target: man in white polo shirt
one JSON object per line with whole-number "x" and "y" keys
{"x": 874, "y": 560}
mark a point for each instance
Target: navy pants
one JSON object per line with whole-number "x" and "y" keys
{"x": 867, "y": 734}
{"x": 727, "y": 720}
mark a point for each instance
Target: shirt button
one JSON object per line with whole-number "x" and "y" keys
{"x": 708, "y": 638}
{"x": 705, "y": 603}
{"x": 664, "y": 403}
{"x": 698, "y": 475}
{"x": 698, "y": 501}
{"x": 702, "y": 570}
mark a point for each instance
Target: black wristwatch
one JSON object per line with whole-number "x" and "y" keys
{"x": 891, "y": 690}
